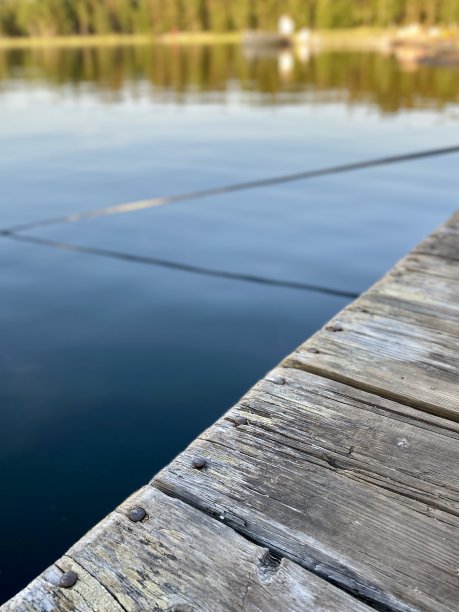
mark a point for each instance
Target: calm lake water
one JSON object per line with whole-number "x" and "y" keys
{"x": 109, "y": 367}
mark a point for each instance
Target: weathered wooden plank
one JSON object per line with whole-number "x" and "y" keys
{"x": 350, "y": 485}
{"x": 428, "y": 265}
{"x": 423, "y": 284}
{"x": 401, "y": 338}
{"x": 45, "y": 595}
{"x": 443, "y": 243}
{"x": 366, "y": 437}
{"x": 390, "y": 351}
{"x": 178, "y": 559}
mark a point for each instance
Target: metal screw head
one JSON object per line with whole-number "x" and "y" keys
{"x": 239, "y": 420}
{"x": 198, "y": 463}
{"x": 68, "y": 579}
{"x": 137, "y": 514}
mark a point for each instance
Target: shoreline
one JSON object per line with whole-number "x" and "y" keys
{"x": 357, "y": 38}
{"x": 115, "y": 40}
{"x": 409, "y": 51}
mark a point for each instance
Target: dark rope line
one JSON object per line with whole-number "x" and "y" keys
{"x": 180, "y": 266}
{"x": 193, "y": 195}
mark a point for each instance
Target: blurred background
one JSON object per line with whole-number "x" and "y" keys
{"x": 126, "y": 333}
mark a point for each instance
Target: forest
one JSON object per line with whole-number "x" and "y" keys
{"x": 73, "y": 17}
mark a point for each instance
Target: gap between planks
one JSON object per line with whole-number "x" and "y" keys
{"x": 177, "y": 559}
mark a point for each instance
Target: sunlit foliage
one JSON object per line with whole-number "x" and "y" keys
{"x": 61, "y": 17}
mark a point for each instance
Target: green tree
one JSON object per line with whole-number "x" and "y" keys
{"x": 52, "y": 17}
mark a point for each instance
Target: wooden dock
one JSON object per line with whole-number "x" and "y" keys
{"x": 332, "y": 485}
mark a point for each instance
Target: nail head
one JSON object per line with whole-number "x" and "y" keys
{"x": 277, "y": 380}
{"x": 198, "y": 463}
{"x": 334, "y": 328}
{"x": 137, "y": 514}
{"x": 68, "y": 579}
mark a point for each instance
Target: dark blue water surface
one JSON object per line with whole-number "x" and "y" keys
{"x": 109, "y": 366}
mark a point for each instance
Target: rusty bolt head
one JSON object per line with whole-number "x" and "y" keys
{"x": 198, "y": 463}
{"x": 68, "y": 579}
{"x": 137, "y": 514}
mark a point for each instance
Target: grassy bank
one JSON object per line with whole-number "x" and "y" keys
{"x": 26, "y": 42}
{"x": 182, "y": 38}
{"x": 355, "y": 38}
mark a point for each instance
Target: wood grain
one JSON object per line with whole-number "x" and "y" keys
{"x": 177, "y": 559}
{"x": 44, "y": 594}
{"x": 349, "y": 485}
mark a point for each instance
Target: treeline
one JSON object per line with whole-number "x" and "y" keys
{"x": 66, "y": 17}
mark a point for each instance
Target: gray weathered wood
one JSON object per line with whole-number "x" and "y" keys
{"x": 44, "y": 594}
{"x": 350, "y": 485}
{"x": 176, "y": 559}
{"x": 401, "y": 338}
{"x": 443, "y": 243}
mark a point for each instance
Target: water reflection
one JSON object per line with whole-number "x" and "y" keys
{"x": 179, "y": 74}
